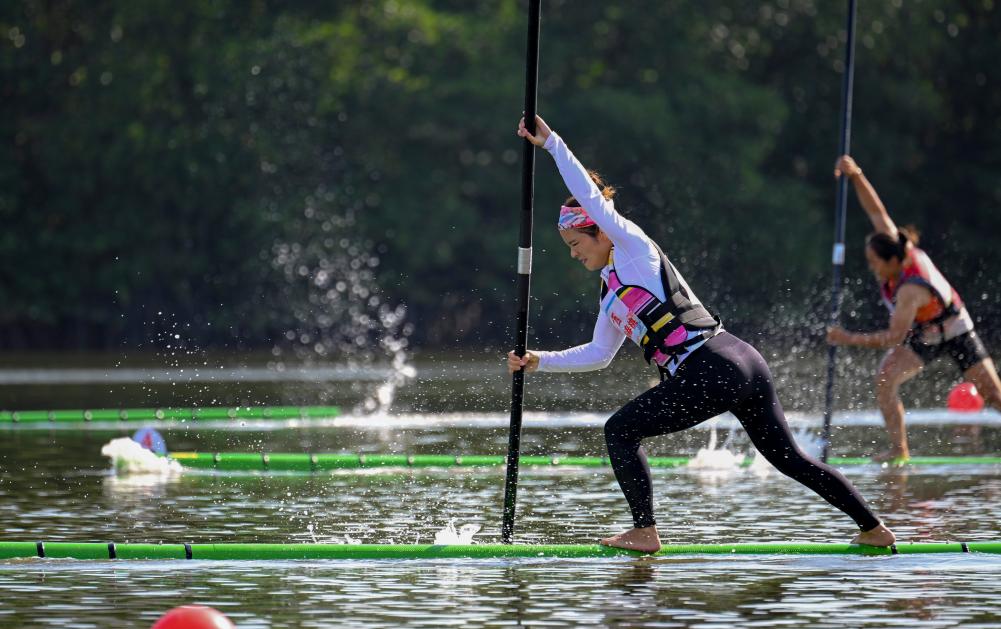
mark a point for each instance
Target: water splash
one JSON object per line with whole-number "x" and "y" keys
{"x": 449, "y": 535}
{"x": 810, "y": 442}
{"x": 709, "y": 458}
{"x": 128, "y": 457}
{"x": 337, "y": 311}
{"x": 401, "y": 370}
{"x": 760, "y": 466}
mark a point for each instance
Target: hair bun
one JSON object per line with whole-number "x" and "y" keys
{"x": 607, "y": 191}
{"x": 908, "y": 234}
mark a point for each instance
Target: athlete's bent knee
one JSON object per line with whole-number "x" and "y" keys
{"x": 617, "y": 430}
{"x": 613, "y": 428}
{"x": 887, "y": 385}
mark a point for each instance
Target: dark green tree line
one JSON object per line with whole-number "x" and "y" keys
{"x": 161, "y": 161}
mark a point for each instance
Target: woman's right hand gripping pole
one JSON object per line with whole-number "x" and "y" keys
{"x": 529, "y": 362}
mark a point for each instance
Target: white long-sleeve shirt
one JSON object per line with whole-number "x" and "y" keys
{"x": 637, "y": 263}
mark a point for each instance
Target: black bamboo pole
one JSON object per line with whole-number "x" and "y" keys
{"x": 838, "y": 255}
{"x": 524, "y": 271}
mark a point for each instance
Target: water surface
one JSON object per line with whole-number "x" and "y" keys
{"x": 55, "y": 486}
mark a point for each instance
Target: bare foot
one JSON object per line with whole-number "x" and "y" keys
{"x": 876, "y": 536}
{"x": 893, "y": 457}
{"x": 644, "y": 540}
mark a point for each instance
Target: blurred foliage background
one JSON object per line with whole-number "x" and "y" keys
{"x": 242, "y": 170}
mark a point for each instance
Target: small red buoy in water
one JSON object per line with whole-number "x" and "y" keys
{"x": 193, "y": 617}
{"x": 965, "y": 398}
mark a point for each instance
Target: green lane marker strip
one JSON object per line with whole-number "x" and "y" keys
{"x": 258, "y": 552}
{"x": 289, "y": 462}
{"x": 168, "y": 414}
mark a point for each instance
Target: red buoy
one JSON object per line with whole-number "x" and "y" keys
{"x": 193, "y": 617}
{"x": 965, "y": 398}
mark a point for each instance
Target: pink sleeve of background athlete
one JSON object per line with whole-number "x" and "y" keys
{"x": 587, "y": 357}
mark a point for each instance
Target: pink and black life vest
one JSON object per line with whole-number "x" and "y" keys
{"x": 662, "y": 329}
{"x": 918, "y": 269}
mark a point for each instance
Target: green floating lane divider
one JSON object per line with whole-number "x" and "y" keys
{"x": 258, "y": 552}
{"x": 168, "y": 414}
{"x": 289, "y": 462}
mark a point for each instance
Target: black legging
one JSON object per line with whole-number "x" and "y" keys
{"x": 725, "y": 374}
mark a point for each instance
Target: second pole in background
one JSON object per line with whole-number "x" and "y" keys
{"x": 838, "y": 256}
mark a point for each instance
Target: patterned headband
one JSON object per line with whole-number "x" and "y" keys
{"x": 573, "y": 218}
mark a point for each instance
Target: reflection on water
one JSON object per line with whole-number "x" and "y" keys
{"x": 771, "y": 591}
{"x": 56, "y": 486}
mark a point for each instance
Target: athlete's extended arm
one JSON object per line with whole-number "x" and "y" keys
{"x": 596, "y": 354}
{"x": 867, "y": 196}
{"x": 909, "y": 299}
{"x": 578, "y": 181}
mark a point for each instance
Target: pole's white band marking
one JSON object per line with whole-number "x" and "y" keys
{"x": 838, "y": 255}
{"x": 525, "y": 261}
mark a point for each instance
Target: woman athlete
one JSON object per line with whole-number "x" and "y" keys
{"x": 705, "y": 371}
{"x": 927, "y": 316}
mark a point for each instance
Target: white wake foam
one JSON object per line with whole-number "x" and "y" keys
{"x": 128, "y": 457}
{"x": 709, "y": 458}
{"x": 449, "y": 535}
